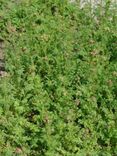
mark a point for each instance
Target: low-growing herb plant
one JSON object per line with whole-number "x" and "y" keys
{"x": 59, "y": 96}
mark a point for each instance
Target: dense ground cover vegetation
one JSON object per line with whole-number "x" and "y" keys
{"x": 59, "y": 97}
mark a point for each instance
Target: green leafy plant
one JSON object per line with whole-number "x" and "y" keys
{"x": 59, "y": 97}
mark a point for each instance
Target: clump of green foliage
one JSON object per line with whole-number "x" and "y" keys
{"x": 59, "y": 97}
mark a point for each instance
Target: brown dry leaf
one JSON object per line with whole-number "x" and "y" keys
{"x": 18, "y": 150}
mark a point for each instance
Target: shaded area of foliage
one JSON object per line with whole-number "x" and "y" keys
{"x": 59, "y": 97}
